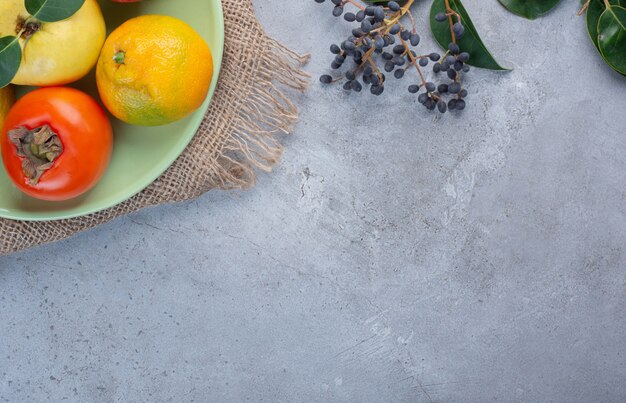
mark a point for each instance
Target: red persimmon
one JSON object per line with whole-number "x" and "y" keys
{"x": 56, "y": 143}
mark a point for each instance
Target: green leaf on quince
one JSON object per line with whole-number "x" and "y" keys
{"x": 10, "y": 58}
{"x": 530, "y": 9}
{"x": 52, "y": 10}
{"x": 470, "y": 42}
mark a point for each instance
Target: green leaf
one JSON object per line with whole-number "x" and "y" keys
{"x": 10, "y": 59}
{"x": 471, "y": 42}
{"x": 53, "y": 10}
{"x": 530, "y": 9}
{"x": 612, "y": 37}
{"x": 594, "y": 11}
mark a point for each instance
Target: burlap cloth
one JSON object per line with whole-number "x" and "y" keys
{"x": 236, "y": 138}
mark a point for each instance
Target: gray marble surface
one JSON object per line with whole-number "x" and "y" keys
{"x": 392, "y": 256}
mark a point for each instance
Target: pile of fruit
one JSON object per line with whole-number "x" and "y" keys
{"x": 57, "y": 141}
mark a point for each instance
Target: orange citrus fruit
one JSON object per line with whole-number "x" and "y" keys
{"x": 154, "y": 70}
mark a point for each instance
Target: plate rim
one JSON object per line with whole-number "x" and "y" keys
{"x": 164, "y": 165}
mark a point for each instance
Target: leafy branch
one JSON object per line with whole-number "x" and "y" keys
{"x": 386, "y": 34}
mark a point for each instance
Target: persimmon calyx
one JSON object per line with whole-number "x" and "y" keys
{"x": 38, "y": 148}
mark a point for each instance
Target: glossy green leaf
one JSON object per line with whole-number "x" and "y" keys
{"x": 53, "y": 10}
{"x": 594, "y": 11}
{"x": 530, "y": 9}
{"x": 10, "y": 59}
{"x": 471, "y": 42}
{"x": 612, "y": 37}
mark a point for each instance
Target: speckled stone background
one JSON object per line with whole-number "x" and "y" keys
{"x": 393, "y": 256}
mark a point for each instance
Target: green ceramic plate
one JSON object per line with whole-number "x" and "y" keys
{"x": 134, "y": 165}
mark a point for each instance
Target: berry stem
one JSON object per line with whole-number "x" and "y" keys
{"x": 373, "y": 64}
{"x": 450, "y": 12}
{"x": 414, "y": 62}
{"x": 400, "y": 14}
{"x": 410, "y": 14}
{"x": 367, "y": 57}
{"x": 418, "y": 56}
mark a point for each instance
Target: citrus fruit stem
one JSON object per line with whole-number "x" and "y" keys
{"x": 119, "y": 57}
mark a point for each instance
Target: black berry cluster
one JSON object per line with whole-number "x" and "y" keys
{"x": 382, "y": 43}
